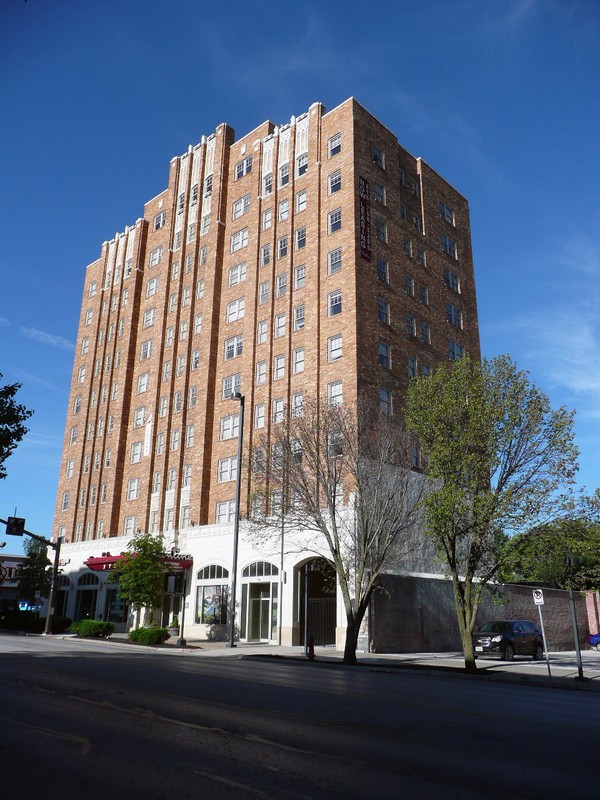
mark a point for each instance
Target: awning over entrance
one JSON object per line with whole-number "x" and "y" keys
{"x": 107, "y": 562}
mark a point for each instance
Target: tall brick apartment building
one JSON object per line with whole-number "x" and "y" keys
{"x": 313, "y": 258}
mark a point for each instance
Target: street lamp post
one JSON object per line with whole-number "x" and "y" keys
{"x": 236, "y": 521}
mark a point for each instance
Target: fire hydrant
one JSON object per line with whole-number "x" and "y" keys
{"x": 310, "y": 652}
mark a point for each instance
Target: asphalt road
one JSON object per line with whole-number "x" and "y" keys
{"x": 83, "y": 719}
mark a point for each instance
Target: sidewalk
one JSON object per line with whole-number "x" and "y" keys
{"x": 563, "y": 665}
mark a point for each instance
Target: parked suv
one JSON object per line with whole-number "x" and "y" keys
{"x": 509, "y": 637}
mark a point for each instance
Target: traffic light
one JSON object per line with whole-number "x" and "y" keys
{"x": 15, "y": 526}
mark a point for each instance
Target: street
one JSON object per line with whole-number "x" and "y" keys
{"x": 101, "y": 720}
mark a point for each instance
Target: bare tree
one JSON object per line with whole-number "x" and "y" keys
{"x": 341, "y": 479}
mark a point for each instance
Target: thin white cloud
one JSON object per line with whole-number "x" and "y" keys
{"x": 49, "y": 339}
{"x": 29, "y": 378}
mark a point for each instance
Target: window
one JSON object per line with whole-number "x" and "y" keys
{"x": 379, "y": 193}
{"x": 139, "y": 415}
{"x": 73, "y": 435}
{"x": 198, "y": 323}
{"x": 284, "y": 175}
{"x": 411, "y": 325}
{"x": 298, "y": 317}
{"x": 263, "y": 292}
{"x": 204, "y": 224}
{"x": 192, "y": 396}
{"x": 142, "y": 383}
{"x": 282, "y": 247}
{"x": 235, "y": 310}
{"x": 378, "y": 157}
{"x": 261, "y": 372}
{"x": 92, "y": 289}
{"x": 424, "y": 295}
{"x": 451, "y": 280}
{"x": 447, "y": 213}
{"x": 455, "y": 350}
{"x": 421, "y": 257}
{"x": 265, "y": 255}
{"x": 177, "y": 240}
{"x": 278, "y": 367}
{"x": 335, "y": 181}
{"x": 237, "y": 274}
{"x": 189, "y": 436}
{"x": 151, "y": 287}
{"x": 453, "y": 315}
{"x": 411, "y": 366}
{"x": 65, "y": 501}
{"x": 234, "y": 347}
{"x": 268, "y": 184}
{"x": 241, "y": 206}
{"x": 383, "y": 311}
{"x": 334, "y": 260}
{"x": 334, "y": 347}
{"x": 334, "y": 220}
{"x": 160, "y": 443}
{"x": 239, "y": 239}
{"x": 227, "y": 469}
{"x": 297, "y": 404}
{"x": 284, "y": 210}
{"x": 159, "y": 220}
{"x": 146, "y": 350}
{"x": 149, "y": 317}
{"x": 81, "y": 375}
{"x": 449, "y": 246}
{"x": 191, "y": 231}
{"x": 69, "y": 468}
{"x": 279, "y": 325}
{"x": 381, "y": 230}
{"x": 211, "y": 601}
{"x": 259, "y": 415}
{"x": 261, "y": 331}
{"x": 155, "y": 256}
{"x": 425, "y": 369}
{"x": 385, "y": 355}
{"x": 258, "y": 459}
{"x": 301, "y": 201}
{"x": 280, "y": 285}
{"x": 243, "y": 167}
{"x": 406, "y": 247}
{"x": 225, "y": 513}
{"x": 385, "y": 401}
{"x": 300, "y": 277}
{"x": 133, "y": 488}
{"x": 136, "y": 453}
{"x": 177, "y": 403}
{"x": 166, "y": 370}
{"x": 334, "y": 145}
{"x": 334, "y": 393}
{"x": 88, "y": 317}
{"x": 267, "y": 216}
{"x": 298, "y": 360}
{"x": 302, "y": 164}
{"x": 425, "y": 333}
{"x": 194, "y": 197}
{"x": 300, "y": 238}
{"x": 334, "y": 304}
{"x": 278, "y": 410}
{"x": 415, "y": 189}
{"x": 409, "y": 285}
{"x": 229, "y": 427}
{"x": 231, "y": 385}
{"x": 383, "y": 270}
{"x": 85, "y": 345}
{"x": 170, "y": 335}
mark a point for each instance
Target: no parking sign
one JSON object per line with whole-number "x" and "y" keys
{"x": 538, "y": 597}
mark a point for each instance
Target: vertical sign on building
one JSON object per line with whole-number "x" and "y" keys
{"x": 365, "y": 217}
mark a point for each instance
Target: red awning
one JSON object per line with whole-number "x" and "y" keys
{"x": 106, "y": 562}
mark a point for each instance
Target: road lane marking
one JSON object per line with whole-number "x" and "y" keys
{"x": 86, "y": 745}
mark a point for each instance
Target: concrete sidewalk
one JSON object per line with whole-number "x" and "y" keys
{"x": 563, "y": 665}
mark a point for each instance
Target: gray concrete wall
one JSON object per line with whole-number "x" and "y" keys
{"x": 413, "y": 614}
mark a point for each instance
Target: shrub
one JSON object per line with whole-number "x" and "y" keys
{"x": 92, "y": 628}
{"x": 149, "y": 635}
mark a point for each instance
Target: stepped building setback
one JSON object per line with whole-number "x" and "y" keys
{"x": 315, "y": 258}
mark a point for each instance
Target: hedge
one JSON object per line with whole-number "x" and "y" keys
{"x": 92, "y": 628}
{"x": 149, "y": 635}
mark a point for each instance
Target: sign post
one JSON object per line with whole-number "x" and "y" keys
{"x": 538, "y": 599}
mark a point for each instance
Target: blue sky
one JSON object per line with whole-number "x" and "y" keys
{"x": 502, "y": 97}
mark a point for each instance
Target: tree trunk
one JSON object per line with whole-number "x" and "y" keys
{"x": 464, "y": 614}
{"x": 351, "y": 641}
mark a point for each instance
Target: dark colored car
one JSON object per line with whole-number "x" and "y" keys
{"x": 509, "y": 638}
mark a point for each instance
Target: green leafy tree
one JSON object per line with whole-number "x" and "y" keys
{"x": 35, "y": 573}
{"x": 542, "y": 555}
{"x": 338, "y": 479}
{"x": 12, "y": 417}
{"x": 500, "y": 461}
{"x": 140, "y": 574}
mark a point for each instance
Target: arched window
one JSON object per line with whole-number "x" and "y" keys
{"x": 212, "y": 595}
{"x": 63, "y": 582}
{"x": 260, "y": 569}
{"x": 89, "y": 579}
